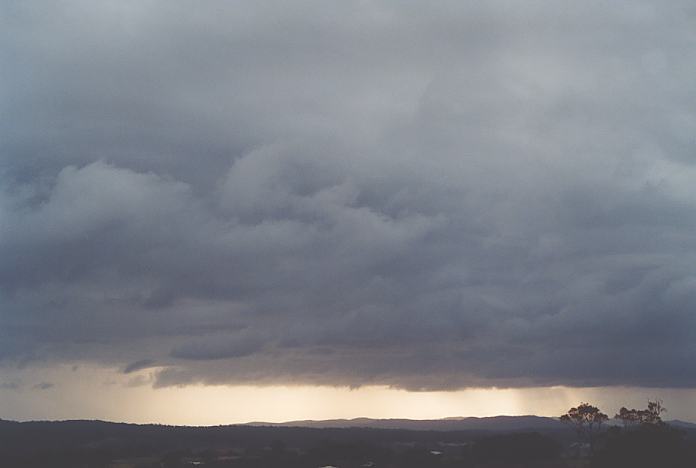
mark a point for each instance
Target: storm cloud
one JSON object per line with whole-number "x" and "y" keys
{"x": 427, "y": 196}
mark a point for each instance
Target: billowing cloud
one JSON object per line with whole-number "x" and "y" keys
{"x": 423, "y": 196}
{"x": 138, "y": 365}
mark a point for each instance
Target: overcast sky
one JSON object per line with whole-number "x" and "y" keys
{"x": 428, "y": 196}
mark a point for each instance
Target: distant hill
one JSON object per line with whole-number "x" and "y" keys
{"x": 294, "y": 444}
{"x": 681, "y": 424}
{"x": 495, "y": 423}
{"x": 100, "y": 437}
{"x": 70, "y": 444}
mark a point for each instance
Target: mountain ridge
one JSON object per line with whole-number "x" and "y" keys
{"x": 502, "y": 422}
{"x": 452, "y": 423}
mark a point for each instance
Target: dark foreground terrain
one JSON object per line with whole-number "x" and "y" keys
{"x": 489, "y": 444}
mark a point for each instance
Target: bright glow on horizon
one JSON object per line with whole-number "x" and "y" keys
{"x": 103, "y": 393}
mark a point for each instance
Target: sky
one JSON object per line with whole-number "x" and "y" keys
{"x": 369, "y": 208}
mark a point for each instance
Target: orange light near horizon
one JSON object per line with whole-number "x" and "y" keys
{"x": 92, "y": 392}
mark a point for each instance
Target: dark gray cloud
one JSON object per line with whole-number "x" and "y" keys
{"x": 424, "y": 196}
{"x": 219, "y": 347}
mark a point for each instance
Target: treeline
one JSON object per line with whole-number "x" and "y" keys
{"x": 640, "y": 440}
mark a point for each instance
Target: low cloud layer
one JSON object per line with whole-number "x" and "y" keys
{"x": 423, "y": 196}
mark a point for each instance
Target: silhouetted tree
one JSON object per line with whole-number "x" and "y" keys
{"x": 650, "y": 416}
{"x": 629, "y": 417}
{"x": 587, "y": 420}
